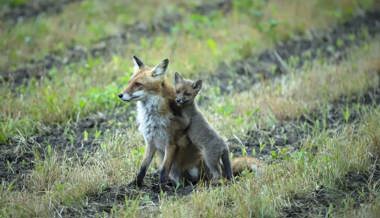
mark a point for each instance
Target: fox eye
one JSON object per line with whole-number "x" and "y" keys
{"x": 177, "y": 91}
{"x": 137, "y": 84}
{"x": 187, "y": 94}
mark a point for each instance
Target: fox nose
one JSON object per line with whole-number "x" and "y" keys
{"x": 179, "y": 101}
{"x": 120, "y": 95}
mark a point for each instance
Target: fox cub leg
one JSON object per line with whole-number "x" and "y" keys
{"x": 170, "y": 152}
{"x": 212, "y": 163}
{"x": 227, "y": 164}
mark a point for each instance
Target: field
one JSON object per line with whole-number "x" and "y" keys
{"x": 295, "y": 84}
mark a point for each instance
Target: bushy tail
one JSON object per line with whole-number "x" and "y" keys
{"x": 240, "y": 164}
{"x": 227, "y": 164}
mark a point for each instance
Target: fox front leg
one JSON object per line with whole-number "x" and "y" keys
{"x": 148, "y": 156}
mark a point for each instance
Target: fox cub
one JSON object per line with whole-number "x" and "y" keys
{"x": 199, "y": 131}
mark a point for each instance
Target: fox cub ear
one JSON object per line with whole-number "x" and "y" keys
{"x": 197, "y": 85}
{"x": 177, "y": 78}
{"x": 138, "y": 64}
{"x": 160, "y": 69}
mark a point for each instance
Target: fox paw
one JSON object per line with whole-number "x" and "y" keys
{"x": 135, "y": 183}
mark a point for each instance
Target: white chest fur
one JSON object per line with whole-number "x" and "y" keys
{"x": 152, "y": 124}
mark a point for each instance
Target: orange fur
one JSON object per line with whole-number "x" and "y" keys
{"x": 239, "y": 164}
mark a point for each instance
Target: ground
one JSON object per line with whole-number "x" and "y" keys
{"x": 300, "y": 95}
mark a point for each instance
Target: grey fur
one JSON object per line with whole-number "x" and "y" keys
{"x": 200, "y": 132}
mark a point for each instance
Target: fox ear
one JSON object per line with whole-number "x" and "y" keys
{"x": 138, "y": 64}
{"x": 197, "y": 85}
{"x": 177, "y": 78}
{"x": 160, "y": 69}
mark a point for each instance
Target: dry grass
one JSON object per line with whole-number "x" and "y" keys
{"x": 63, "y": 181}
{"x": 329, "y": 12}
{"x": 302, "y": 91}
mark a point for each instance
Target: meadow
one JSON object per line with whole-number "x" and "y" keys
{"x": 295, "y": 84}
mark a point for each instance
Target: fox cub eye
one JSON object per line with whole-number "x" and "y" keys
{"x": 137, "y": 84}
{"x": 187, "y": 94}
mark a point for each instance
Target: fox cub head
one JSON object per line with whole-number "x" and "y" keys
{"x": 144, "y": 81}
{"x": 186, "y": 90}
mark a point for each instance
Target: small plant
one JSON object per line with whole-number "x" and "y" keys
{"x": 85, "y": 136}
{"x": 346, "y": 114}
{"x": 274, "y": 154}
{"x": 262, "y": 145}
{"x": 98, "y": 133}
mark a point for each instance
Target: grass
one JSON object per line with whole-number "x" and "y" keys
{"x": 300, "y": 92}
{"x": 49, "y": 101}
{"x": 81, "y": 23}
{"x": 35, "y": 38}
{"x": 264, "y": 196}
{"x": 65, "y": 181}
{"x": 62, "y": 183}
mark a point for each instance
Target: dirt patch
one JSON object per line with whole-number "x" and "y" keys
{"x": 332, "y": 45}
{"x": 75, "y": 139}
{"x": 353, "y": 185}
{"x": 18, "y": 13}
{"x": 105, "y": 47}
{"x": 287, "y": 136}
{"x": 112, "y": 197}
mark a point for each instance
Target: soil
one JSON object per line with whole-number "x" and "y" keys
{"x": 113, "y": 196}
{"x": 332, "y": 45}
{"x": 105, "y": 47}
{"x": 32, "y": 9}
{"x": 286, "y": 137}
{"x": 18, "y": 155}
{"x": 354, "y": 185}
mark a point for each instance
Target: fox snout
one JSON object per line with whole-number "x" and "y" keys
{"x": 180, "y": 101}
{"x": 134, "y": 96}
{"x": 121, "y": 96}
{"x": 125, "y": 97}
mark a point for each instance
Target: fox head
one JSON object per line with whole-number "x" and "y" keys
{"x": 186, "y": 90}
{"x": 144, "y": 81}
